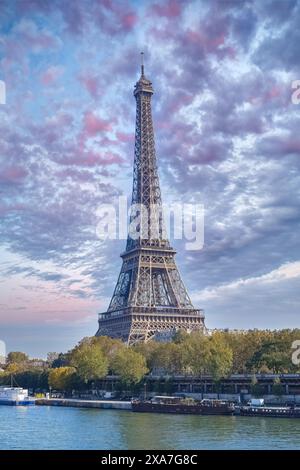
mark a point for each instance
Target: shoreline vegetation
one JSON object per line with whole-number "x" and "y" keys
{"x": 218, "y": 355}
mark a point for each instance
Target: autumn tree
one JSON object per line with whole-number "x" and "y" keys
{"x": 89, "y": 360}
{"x": 151, "y": 352}
{"x": 109, "y": 346}
{"x": 220, "y": 357}
{"x": 129, "y": 365}
{"x": 17, "y": 357}
{"x": 61, "y": 378}
{"x": 197, "y": 352}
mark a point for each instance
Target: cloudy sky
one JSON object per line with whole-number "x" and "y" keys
{"x": 227, "y": 136}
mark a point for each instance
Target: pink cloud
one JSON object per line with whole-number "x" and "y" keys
{"x": 170, "y": 9}
{"x": 52, "y": 74}
{"x": 209, "y": 43}
{"x": 290, "y": 146}
{"x": 123, "y": 137}
{"x": 91, "y": 83}
{"x": 91, "y": 159}
{"x": 13, "y": 175}
{"x": 279, "y": 146}
{"x": 274, "y": 92}
{"x": 128, "y": 21}
{"x": 74, "y": 16}
{"x": 164, "y": 34}
{"x": 30, "y": 35}
{"x": 181, "y": 100}
{"x": 51, "y": 307}
{"x": 94, "y": 125}
{"x": 79, "y": 174}
{"x": 115, "y": 17}
{"x": 9, "y": 208}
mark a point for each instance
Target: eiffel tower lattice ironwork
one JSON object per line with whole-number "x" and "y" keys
{"x": 150, "y": 297}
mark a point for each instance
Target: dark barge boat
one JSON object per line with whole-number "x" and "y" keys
{"x": 178, "y": 405}
{"x": 270, "y": 411}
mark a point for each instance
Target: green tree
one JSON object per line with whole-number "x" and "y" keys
{"x": 129, "y": 365}
{"x": 243, "y": 344}
{"x": 180, "y": 336}
{"x": 108, "y": 345}
{"x": 17, "y": 357}
{"x": 220, "y": 357}
{"x": 61, "y": 378}
{"x": 274, "y": 355}
{"x": 171, "y": 357}
{"x": 89, "y": 360}
{"x": 35, "y": 378}
{"x": 14, "y": 368}
{"x": 62, "y": 360}
{"x": 197, "y": 347}
{"x": 150, "y": 351}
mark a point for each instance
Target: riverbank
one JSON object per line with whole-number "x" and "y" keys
{"x": 77, "y": 403}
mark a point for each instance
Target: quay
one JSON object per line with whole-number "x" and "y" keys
{"x": 77, "y": 403}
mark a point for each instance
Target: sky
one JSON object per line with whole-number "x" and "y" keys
{"x": 227, "y": 136}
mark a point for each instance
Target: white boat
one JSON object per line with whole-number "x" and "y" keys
{"x": 15, "y": 396}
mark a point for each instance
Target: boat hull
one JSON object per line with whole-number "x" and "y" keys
{"x": 270, "y": 412}
{"x": 148, "y": 407}
{"x": 17, "y": 402}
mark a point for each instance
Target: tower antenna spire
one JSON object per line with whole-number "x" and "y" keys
{"x": 142, "y": 63}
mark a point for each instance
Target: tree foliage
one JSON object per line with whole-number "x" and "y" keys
{"x": 89, "y": 360}
{"x": 218, "y": 355}
{"x": 17, "y": 357}
{"x": 61, "y": 378}
{"x": 130, "y": 365}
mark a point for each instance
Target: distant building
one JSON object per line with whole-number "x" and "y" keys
{"x": 38, "y": 363}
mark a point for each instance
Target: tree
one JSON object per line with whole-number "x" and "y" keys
{"x": 17, "y": 357}
{"x": 197, "y": 349}
{"x": 129, "y": 365}
{"x": 171, "y": 357}
{"x": 150, "y": 351}
{"x": 61, "y": 378}
{"x": 89, "y": 360}
{"x": 61, "y": 361}
{"x": 180, "y": 336}
{"x": 51, "y": 357}
{"x": 34, "y": 378}
{"x": 274, "y": 354}
{"x": 14, "y": 368}
{"x": 220, "y": 357}
{"x": 108, "y": 345}
{"x": 244, "y": 345}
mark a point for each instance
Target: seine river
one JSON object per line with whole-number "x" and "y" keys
{"x": 73, "y": 428}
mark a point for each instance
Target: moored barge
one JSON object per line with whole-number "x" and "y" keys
{"x": 271, "y": 411}
{"x": 177, "y": 405}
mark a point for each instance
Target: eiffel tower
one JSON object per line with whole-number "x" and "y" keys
{"x": 150, "y": 299}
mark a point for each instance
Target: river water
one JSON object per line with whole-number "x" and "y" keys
{"x": 73, "y": 428}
